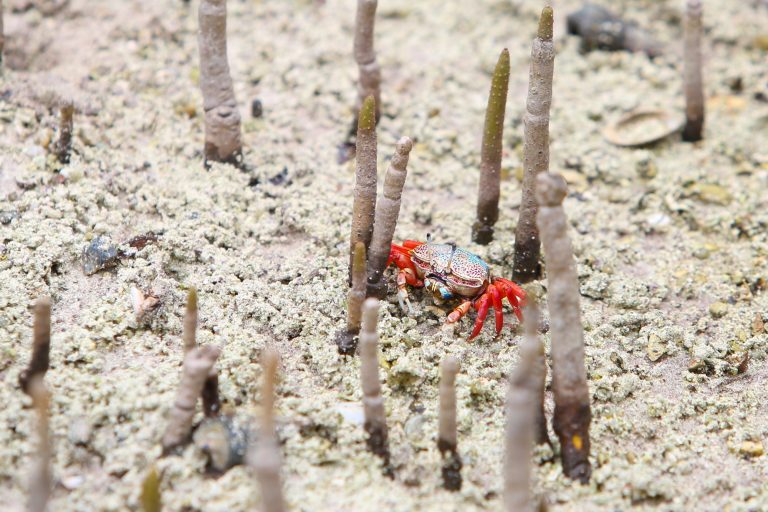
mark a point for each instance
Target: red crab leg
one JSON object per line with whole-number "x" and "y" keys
{"x": 496, "y": 298}
{"x": 460, "y": 310}
{"x": 481, "y": 305}
{"x": 514, "y": 293}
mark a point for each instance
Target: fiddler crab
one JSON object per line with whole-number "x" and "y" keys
{"x": 450, "y": 272}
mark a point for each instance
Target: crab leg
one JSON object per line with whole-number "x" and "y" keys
{"x": 514, "y": 293}
{"x": 481, "y": 305}
{"x": 460, "y": 310}
{"x": 496, "y": 299}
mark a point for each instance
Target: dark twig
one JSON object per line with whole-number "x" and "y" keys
{"x": 490, "y": 155}
{"x": 189, "y": 332}
{"x": 535, "y": 150}
{"x": 387, "y": 211}
{"x": 41, "y": 344}
{"x": 569, "y": 374}
{"x": 692, "y": 80}
{"x": 2, "y": 38}
{"x": 63, "y": 147}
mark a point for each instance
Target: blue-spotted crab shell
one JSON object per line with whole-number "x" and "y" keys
{"x": 463, "y": 270}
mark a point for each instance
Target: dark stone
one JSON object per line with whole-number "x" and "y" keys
{"x": 101, "y": 253}
{"x": 257, "y": 110}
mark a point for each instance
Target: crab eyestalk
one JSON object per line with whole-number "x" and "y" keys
{"x": 535, "y": 150}
{"x": 222, "y": 118}
{"x": 490, "y": 155}
{"x": 447, "y": 439}
{"x": 264, "y": 455}
{"x": 198, "y": 364}
{"x": 41, "y": 344}
{"x": 692, "y": 80}
{"x": 387, "y": 211}
{"x": 522, "y": 409}
{"x": 569, "y": 374}
{"x": 373, "y": 403}
{"x": 364, "y": 205}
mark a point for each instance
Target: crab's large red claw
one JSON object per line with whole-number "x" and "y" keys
{"x": 481, "y": 305}
{"x": 401, "y": 257}
{"x": 411, "y": 244}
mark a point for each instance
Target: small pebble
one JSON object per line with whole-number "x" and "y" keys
{"x": 256, "y": 108}
{"x": 100, "y": 254}
{"x": 751, "y": 448}
{"x": 718, "y": 309}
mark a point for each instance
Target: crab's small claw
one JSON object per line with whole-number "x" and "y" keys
{"x": 402, "y": 292}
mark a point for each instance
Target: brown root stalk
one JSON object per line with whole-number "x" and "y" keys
{"x": 189, "y": 332}
{"x": 522, "y": 408}
{"x": 63, "y": 147}
{"x": 210, "y": 392}
{"x": 369, "y": 83}
{"x": 41, "y": 478}
{"x": 535, "y": 150}
{"x": 387, "y": 211}
{"x": 692, "y": 80}
{"x": 538, "y": 371}
{"x": 222, "y": 118}
{"x": 373, "y": 403}
{"x": 569, "y": 374}
{"x": 2, "y": 37}
{"x": 264, "y": 456}
{"x": 198, "y": 364}
{"x": 364, "y": 205}
{"x": 490, "y": 155}
{"x": 346, "y": 339}
{"x": 41, "y": 344}
{"x": 447, "y": 439}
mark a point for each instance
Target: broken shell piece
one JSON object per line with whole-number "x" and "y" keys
{"x": 141, "y": 303}
{"x": 224, "y": 440}
{"x": 641, "y": 127}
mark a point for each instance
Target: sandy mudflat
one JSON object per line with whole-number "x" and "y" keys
{"x": 671, "y": 246}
